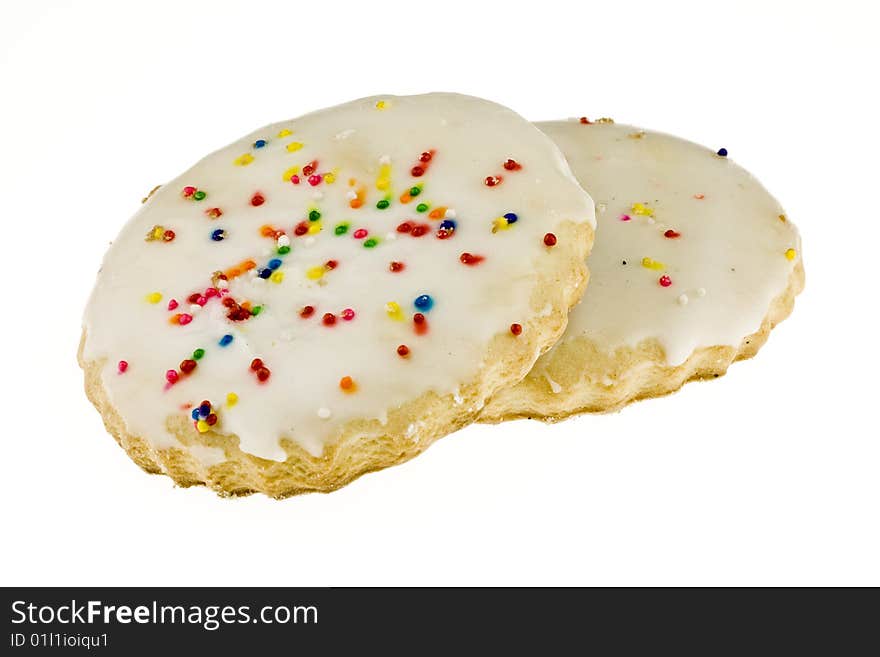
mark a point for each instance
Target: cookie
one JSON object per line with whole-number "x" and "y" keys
{"x": 329, "y": 295}
{"x": 694, "y": 264}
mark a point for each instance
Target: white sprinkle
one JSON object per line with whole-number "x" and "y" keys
{"x": 194, "y": 308}
{"x": 683, "y": 300}
{"x": 450, "y": 213}
{"x": 223, "y": 284}
{"x": 324, "y": 413}
{"x": 385, "y": 159}
{"x": 701, "y": 292}
{"x": 345, "y": 134}
{"x": 284, "y": 240}
{"x": 352, "y": 195}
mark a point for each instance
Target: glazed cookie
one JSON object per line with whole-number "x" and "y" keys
{"x": 694, "y": 263}
{"x": 329, "y": 295}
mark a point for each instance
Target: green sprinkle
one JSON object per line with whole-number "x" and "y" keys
{"x": 283, "y": 250}
{"x": 256, "y": 310}
{"x": 384, "y": 203}
{"x": 370, "y": 242}
{"x": 415, "y": 191}
{"x": 314, "y": 215}
{"x": 198, "y": 353}
{"x": 422, "y": 207}
{"x": 341, "y": 229}
{"x": 199, "y": 195}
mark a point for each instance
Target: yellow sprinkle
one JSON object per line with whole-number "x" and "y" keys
{"x": 294, "y": 146}
{"x": 500, "y": 224}
{"x": 644, "y": 210}
{"x": 782, "y": 218}
{"x": 382, "y": 184}
{"x": 243, "y": 160}
{"x": 277, "y": 276}
{"x": 284, "y": 133}
{"x": 155, "y": 297}
{"x": 287, "y": 175}
{"x": 158, "y": 233}
{"x": 394, "y": 311}
{"x": 314, "y": 227}
{"x": 648, "y": 263}
{"x": 316, "y": 272}
{"x": 604, "y": 119}
{"x": 231, "y": 399}
{"x": 790, "y": 254}
{"x": 380, "y": 105}
{"x": 329, "y": 178}
{"x": 202, "y": 426}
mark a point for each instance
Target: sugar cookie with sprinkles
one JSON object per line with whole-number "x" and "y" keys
{"x": 694, "y": 264}
{"x": 329, "y": 295}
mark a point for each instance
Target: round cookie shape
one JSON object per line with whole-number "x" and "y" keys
{"x": 330, "y": 294}
{"x": 694, "y": 263}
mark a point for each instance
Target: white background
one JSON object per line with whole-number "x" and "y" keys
{"x": 767, "y": 476}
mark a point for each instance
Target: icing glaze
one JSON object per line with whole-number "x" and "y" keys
{"x": 690, "y": 249}
{"x": 327, "y": 269}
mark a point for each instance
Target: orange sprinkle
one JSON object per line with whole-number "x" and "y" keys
{"x": 266, "y": 230}
{"x": 437, "y": 213}
{"x": 346, "y": 383}
{"x": 248, "y": 265}
{"x": 234, "y": 272}
{"x": 699, "y": 197}
{"x": 405, "y": 197}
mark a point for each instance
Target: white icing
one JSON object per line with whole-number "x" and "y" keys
{"x": 302, "y": 400}
{"x": 726, "y": 267}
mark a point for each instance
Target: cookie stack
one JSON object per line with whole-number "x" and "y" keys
{"x": 329, "y": 295}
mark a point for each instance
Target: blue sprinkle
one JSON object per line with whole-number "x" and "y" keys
{"x": 424, "y": 302}
{"x": 265, "y": 273}
{"x": 195, "y": 414}
{"x": 259, "y": 143}
{"x": 204, "y": 410}
{"x": 447, "y": 224}
{"x": 511, "y": 218}
{"x": 722, "y": 152}
{"x": 225, "y": 340}
{"x": 274, "y": 264}
{"x": 218, "y": 235}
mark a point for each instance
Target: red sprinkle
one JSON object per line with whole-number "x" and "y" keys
{"x": 671, "y": 234}
{"x": 122, "y": 366}
{"x": 187, "y": 366}
{"x": 214, "y": 213}
{"x": 315, "y": 179}
{"x": 257, "y": 200}
{"x": 307, "y": 311}
{"x": 256, "y": 364}
{"x": 417, "y": 171}
{"x": 347, "y": 314}
{"x": 211, "y": 419}
{"x": 585, "y": 121}
{"x": 263, "y": 374}
{"x": 512, "y": 165}
{"x": 294, "y": 179}
{"x": 491, "y": 181}
{"x": 184, "y": 318}
{"x": 168, "y": 235}
{"x": 329, "y": 319}
{"x": 301, "y": 229}
{"x": 665, "y": 281}
{"x": 405, "y": 227}
{"x": 172, "y": 376}
{"x": 550, "y": 239}
{"x": 516, "y": 329}
{"x": 172, "y": 304}
{"x": 396, "y": 266}
{"x": 189, "y": 190}
{"x": 331, "y": 264}
{"x": 425, "y": 157}
{"x": 310, "y": 168}
{"x": 471, "y": 259}
{"x": 360, "y": 233}
{"x": 403, "y": 351}
{"x": 420, "y": 323}
{"x": 419, "y": 230}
